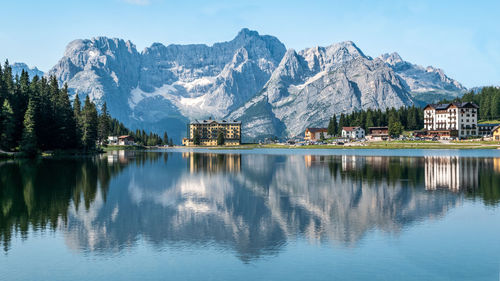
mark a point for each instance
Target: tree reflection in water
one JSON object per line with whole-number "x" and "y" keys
{"x": 250, "y": 203}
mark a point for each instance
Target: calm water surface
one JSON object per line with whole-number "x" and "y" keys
{"x": 253, "y": 215}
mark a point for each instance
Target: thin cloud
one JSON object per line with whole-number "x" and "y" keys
{"x": 138, "y": 2}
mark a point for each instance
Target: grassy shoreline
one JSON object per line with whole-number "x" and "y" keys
{"x": 370, "y": 145}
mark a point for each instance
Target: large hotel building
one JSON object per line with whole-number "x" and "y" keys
{"x": 208, "y": 130}
{"x": 456, "y": 119}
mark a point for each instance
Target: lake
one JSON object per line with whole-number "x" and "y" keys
{"x": 277, "y": 214}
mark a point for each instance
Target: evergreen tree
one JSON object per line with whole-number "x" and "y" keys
{"x": 7, "y": 78}
{"x": 90, "y": 123}
{"x": 395, "y": 127}
{"x": 220, "y": 137}
{"x": 66, "y": 124}
{"x": 369, "y": 120}
{"x": 196, "y": 138}
{"x": 165, "y": 138}
{"x": 322, "y": 136}
{"x": 8, "y": 126}
{"x": 342, "y": 123}
{"x": 77, "y": 116}
{"x": 104, "y": 124}
{"x": 29, "y": 140}
{"x": 495, "y": 105}
{"x": 332, "y": 126}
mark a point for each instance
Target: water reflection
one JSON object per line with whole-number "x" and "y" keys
{"x": 251, "y": 204}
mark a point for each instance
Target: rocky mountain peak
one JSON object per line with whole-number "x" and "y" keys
{"x": 18, "y": 67}
{"x": 391, "y": 59}
{"x": 251, "y": 77}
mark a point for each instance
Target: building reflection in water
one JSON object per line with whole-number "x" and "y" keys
{"x": 212, "y": 162}
{"x": 249, "y": 203}
{"x": 451, "y": 172}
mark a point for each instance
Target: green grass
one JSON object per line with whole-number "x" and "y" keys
{"x": 123, "y": 147}
{"x": 489, "y": 121}
{"x": 378, "y": 145}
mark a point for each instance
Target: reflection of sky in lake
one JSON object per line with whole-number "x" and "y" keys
{"x": 223, "y": 215}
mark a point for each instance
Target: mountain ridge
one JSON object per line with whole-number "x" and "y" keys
{"x": 277, "y": 91}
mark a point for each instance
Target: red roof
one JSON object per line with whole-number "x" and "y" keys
{"x": 349, "y": 129}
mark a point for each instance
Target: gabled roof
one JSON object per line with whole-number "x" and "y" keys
{"x": 124, "y": 137}
{"x": 317, "y": 130}
{"x": 350, "y": 129}
{"x": 210, "y": 121}
{"x": 444, "y": 106}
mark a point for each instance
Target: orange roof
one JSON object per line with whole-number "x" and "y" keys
{"x": 124, "y": 137}
{"x": 349, "y": 129}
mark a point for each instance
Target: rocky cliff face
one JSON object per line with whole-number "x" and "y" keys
{"x": 426, "y": 84}
{"x": 312, "y": 85}
{"x": 252, "y": 78}
{"x": 18, "y": 67}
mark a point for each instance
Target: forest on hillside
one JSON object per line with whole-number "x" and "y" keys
{"x": 412, "y": 118}
{"x": 37, "y": 115}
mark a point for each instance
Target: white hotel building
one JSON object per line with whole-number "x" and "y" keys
{"x": 457, "y": 119}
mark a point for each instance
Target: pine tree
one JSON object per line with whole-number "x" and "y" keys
{"x": 332, "y": 126}
{"x": 77, "y": 116}
{"x": 369, "y": 120}
{"x": 395, "y": 127}
{"x": 220, "y": 137}
{"x": 495, "y": 105}
{"x": 20, "y": 104}
{"x": 196, "y": 138}
{"x": 90, "y": 123}
{"x": 342, "y": 123}
{"x": 7, "y": 78}
{"x": 66, "y": 123}
{"x": 322, "y": 136}
{"x": 29, "y": 140}
{"x": 165, "y": 138}
{"x": 104, "y": 124}
{"x": 8, "y": 126}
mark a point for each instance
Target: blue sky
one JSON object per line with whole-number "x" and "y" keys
{"x": 461, "y": 37}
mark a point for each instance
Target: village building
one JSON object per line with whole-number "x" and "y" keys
{"x": 353, "y": 132}
{"x": 457, "y": 119}
{"x": 496, "y": 133}
{"x": 378, "y": 133}
{"x": 451, "y": 172}
{"x": 126, "y": 140}
{"x": 314, "y": 134}
{"x": 486, "y": 130}
{"x": 113, "y": 140}
{"x": 208, "y": 131}
{"x": 121, "y": 140}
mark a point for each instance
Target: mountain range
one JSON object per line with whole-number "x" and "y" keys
{"x": 252, "y": 78}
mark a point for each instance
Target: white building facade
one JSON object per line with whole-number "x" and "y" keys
{"x": 353, "y": 132}
{"x": 451, "y": 119}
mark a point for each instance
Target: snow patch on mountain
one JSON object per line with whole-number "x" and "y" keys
{"x": 253, "y": 78}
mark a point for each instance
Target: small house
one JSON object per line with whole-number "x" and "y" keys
{"x": 126, "y": 140}
{"x": 496, "y": 133}
{"x": 486, "y": 130}
{"x": 353, "y": 132}
{"x": 378, "y": 133}
{"x": 112, "y": 140}
{"x": 314, "y": 134}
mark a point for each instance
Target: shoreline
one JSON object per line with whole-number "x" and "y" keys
{"x": 371, "y": 145}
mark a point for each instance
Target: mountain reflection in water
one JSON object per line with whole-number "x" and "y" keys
{"x": 251, "y": 204}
